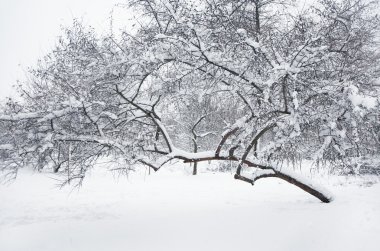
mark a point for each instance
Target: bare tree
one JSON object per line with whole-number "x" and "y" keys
{"x": 299, "y": 81}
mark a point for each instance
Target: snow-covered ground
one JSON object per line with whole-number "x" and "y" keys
{"x": 176, "y": 211}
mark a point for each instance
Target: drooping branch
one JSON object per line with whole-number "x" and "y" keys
{"x": 305, "y": 186}
{"x": 153, "y": 116}
{"x": 225, "y": 136}
{"x": 247, "y": 104}
{"x": 155, "y": 168}
{"x": 252, "y": 144}
{"x": 267, "y": 172}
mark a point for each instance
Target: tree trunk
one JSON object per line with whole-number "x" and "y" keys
{"x": 195, "y": 151}
{"x": 195, "y": 168}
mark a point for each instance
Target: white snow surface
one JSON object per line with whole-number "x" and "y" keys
{"x": 173, "y": 210}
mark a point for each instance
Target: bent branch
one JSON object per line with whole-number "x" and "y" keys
{"x": 268, "y": 172}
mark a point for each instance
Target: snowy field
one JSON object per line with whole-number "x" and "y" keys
{"x": 175, "y": 211}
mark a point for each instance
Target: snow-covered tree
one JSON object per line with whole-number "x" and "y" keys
{"x": 231, "y": 74}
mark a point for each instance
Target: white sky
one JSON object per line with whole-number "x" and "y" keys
{"x": 29, "y": 29}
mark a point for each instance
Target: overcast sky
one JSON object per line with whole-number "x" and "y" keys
{"x": 29, "y": 28}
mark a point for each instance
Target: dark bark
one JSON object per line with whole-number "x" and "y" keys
{"x": 304, "y": 187}
{"x": 195, "y": 143}
{"x": 277, "y": 174}
{"x": 307, "y": 188}
{"x": 195, "y": 168}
